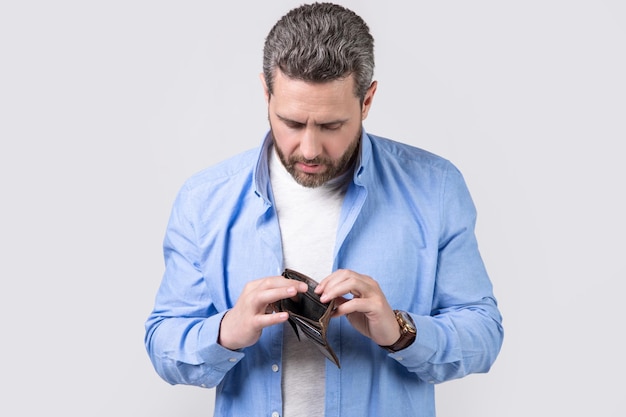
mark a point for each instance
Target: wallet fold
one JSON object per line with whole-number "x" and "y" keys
{"x": 308, "y": 316}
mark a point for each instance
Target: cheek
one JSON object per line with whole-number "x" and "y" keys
{"x": 336, "y": 146}
{"x": 333, "y": 150}
{"x": 285, "y": 139}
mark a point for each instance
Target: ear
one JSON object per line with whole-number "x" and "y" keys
{"x": 265, "y": 89}
{"x": 367, "y": 101}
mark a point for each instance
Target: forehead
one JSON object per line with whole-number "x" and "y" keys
{"x": 297, "y": 96}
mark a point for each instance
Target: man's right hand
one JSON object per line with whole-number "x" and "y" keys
{"x": 242, "y": 325}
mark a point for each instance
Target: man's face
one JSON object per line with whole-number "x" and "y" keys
{"x": 316, "y": 126}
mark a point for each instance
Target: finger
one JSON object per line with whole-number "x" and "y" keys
{"x": 254, "y": 288}
{"x": 352, "y": 285}
{"x": 265, "y": 320}
{"x": 332, "y": 281}
{"x": 336, "y": 275}
{"x": 269, "y": 296}
{"x": 355, "y": 305}
{"x": 278, "y": 282}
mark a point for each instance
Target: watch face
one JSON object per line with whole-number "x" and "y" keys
{"x": 408, "y": 325}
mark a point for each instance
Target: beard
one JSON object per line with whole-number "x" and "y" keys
{"x": 334, "y": 167}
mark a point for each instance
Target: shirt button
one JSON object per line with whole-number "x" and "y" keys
{"x": 274, "y": 368}
{"x": 232, "y": 360}
{"x": 275, "y": 414}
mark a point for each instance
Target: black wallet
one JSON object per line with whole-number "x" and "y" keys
{"x": 308, "y": 316}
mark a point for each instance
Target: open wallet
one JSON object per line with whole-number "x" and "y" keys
{"x": 308, "y": 316}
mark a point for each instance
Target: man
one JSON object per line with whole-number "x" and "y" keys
{"x": 387, "y": 229}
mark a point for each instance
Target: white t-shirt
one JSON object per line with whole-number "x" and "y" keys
{"x": 308, "y": 219}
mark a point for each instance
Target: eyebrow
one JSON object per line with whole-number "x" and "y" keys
{"x": 331, "y": 122}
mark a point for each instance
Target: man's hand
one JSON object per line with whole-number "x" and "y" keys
{"x": 242, "y": 325}
{"x": 368, "y": 311}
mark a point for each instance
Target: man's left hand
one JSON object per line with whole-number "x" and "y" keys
{"x": 368, "y": 311}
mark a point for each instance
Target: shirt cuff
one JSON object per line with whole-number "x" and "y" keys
{"x": 423, "y": 347}
{"x": 221, "y": 358}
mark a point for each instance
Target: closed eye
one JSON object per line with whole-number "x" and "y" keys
{"x": 292, "y": 124}
{"x": 332, "y": 126}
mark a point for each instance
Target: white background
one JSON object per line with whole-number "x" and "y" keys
{"x": 106, "y": 107}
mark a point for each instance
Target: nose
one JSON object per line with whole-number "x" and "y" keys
{"x": 310, "y": 145}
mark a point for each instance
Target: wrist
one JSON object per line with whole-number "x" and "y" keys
{"x": 222, "y": 335}
{"x": 408, "y": 332}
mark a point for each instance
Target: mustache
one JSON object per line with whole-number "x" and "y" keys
{"x": 315, "y": 161}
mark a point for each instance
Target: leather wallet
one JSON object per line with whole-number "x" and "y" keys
{"x": 308, "y": 316}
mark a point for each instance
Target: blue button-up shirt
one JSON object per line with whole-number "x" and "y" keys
{"x": 407, "y": 221}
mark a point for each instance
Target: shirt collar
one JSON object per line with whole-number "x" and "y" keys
{"x": 261, "y": 176}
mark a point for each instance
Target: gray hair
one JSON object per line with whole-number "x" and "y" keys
{"x": 320, "y": 42}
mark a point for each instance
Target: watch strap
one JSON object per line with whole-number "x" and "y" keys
{"x": 408, "y": 332}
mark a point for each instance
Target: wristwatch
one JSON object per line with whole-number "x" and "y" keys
{"x": 408, "y": 332}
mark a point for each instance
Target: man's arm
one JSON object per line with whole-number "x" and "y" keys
{"x": 189, "y": 340}
{"x": 463, "y": 333}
